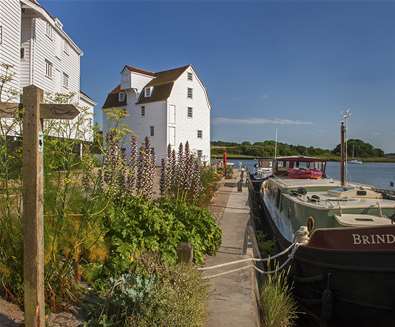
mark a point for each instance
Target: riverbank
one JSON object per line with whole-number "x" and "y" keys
{"x": 334, "y": 158}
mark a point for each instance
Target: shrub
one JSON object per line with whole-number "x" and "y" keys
{"x": 199, "y": 227}
{"x": 135, "y": 225}
{"x": 151, "y": 294}
{"x": 278, "y": 306}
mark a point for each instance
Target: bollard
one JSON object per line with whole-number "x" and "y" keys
{"x": 184, "y": 253}
{"x": 240, "y": 186}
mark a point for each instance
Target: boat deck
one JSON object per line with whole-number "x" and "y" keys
{"x": 325, "y": 200}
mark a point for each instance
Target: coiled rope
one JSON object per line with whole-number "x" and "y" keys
{"x": 291, "y": 249}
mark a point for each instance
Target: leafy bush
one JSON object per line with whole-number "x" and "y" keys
{"x": 278, "y": 306}
{"x": 136, "y": 225}
{"x": 151, "y": 294}
{"x": 199, "y": 227}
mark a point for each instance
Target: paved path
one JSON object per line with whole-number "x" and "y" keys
{"x": 232, "y": 297}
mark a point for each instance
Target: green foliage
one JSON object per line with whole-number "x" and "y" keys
{"x": 198, "y": 227}
{"x": 360, "y": 149}
{"x": 136, "y": 225}
{"x": 278, "y": 306}
{"x": 267, "y": 149}
{"x": 151, "y": 293}
{"x": 266, "y": 246}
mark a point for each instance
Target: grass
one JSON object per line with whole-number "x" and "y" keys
{"x": 278, "y": 306}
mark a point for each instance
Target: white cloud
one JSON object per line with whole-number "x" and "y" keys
{"x": 258, "y": 121}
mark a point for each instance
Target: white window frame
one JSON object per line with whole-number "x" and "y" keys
{"x": 48, "y": 69}
{"x": 189, "y": 112}
{"x": 148, "y": 92}
{"x": 49, "y": 31}
{"x": 152, "y": 131}
{"x": 142, "y": 111}
{"x": 66, "y": 80}
{"x": 200, "y": 134}
{"x": 66, "y": 47}
{"x": 121, "y": 96}
{"x": 190, "y": 93}
{"x": 190, "y": 76}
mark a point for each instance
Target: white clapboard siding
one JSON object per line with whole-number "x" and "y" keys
{"x": 45, "y": 49}
{"x": 10, "y": 22}
{"x": 26, "y": 36}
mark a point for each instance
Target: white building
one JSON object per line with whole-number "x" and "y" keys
{"x": 170, "y": 107}
{"x": 41, "y": 53}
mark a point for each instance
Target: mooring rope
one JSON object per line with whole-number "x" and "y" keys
{"x": 270, "y": 258}
{"x": 293, "y": 247}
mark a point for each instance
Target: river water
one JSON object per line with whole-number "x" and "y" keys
{"x": 376, "y": 174}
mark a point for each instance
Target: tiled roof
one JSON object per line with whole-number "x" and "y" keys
{"x": 139, "y": 70}
{"x": 112, "y": 100}
{"x": 162, "y": 84}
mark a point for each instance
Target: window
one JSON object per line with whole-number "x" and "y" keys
{"x": 121, "y": 96}
{"x": 66, "y": 47}
{"x": 49, "y": 30}
{"x": 200, "y": 134}
{"x": 199, "y": 154}
{"x": 143, "y": 111}
{"x": 48, "y": 68}
{"x": 190, "y": 91}
{"x": 190, "y": 112}
{"x": 22, "y": 53}
{"x": 190, "y": 76}
{"x": 147, "y": 92}
{"x": 152, "y": 130}
{"x": 65, "y": 81}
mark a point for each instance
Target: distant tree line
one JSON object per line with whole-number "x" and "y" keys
{"x": 357, "y": 148}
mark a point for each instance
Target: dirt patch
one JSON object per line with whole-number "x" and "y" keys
{"x": 12, "y": 316}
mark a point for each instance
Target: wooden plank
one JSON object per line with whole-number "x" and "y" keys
{"x": 8, "y": 110}
{"x": 33, "y": 212}
{"x": 58, "y": 111}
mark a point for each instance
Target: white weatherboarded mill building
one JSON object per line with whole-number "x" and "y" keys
{"x": 170, "y": 107}
{"x": 39, "y": 52}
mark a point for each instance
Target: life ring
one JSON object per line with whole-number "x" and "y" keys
{"x": 310, "y": 224}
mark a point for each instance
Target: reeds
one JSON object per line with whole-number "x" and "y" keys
{"x": 278, "y": 306}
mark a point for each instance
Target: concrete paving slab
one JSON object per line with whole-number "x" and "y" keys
{"x": 232, "y": 300}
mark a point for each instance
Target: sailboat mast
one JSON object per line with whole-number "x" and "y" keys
{"x": 275, "y": 147}
{"x": 343, "y": 154}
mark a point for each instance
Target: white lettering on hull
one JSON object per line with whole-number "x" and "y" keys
{"x": 365, "y": 239}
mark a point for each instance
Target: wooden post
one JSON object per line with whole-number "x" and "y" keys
{"x": 33, "y": 207}
{"x": 33, "y": 193}
{"x": 185, "y": 253}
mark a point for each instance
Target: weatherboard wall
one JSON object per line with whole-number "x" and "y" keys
{"x": 10, "y": 40}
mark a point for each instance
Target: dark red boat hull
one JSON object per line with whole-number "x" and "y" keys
{"x": 343, "y": 286}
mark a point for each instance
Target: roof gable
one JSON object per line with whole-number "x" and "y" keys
{"x": 162, "y": 85}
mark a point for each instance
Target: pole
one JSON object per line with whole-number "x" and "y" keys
{"x": 33, "y": 211}
{"x": 342, "y": 153}
{"x": 275, "y": 147}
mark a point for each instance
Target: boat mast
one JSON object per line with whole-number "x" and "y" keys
{"x": 342, "y": 154}
{"x": 275, "y": 147}
{"x": 344, "y": 169}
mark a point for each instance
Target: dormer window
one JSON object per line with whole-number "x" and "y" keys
{"x": 148, "y": 92}
{"x": 121, "y": 96}
{"x": 190, "y": 77}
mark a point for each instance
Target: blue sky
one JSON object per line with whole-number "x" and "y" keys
{"x": 291, "y": 65}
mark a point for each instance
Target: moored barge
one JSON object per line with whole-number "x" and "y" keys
{"x": 344, "y": 271}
